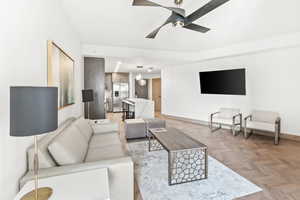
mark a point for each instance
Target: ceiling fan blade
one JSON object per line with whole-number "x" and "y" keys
{"x": 213, "y": 4}
{"x": 144, "y": 3}
{"x": 179, "y": 11}
{"x": 196, "y": 27}
{"x": 153, "y": 34}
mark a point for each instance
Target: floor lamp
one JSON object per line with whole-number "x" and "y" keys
{"x": 87, "y": 97}
{"x": 33, "y": 111}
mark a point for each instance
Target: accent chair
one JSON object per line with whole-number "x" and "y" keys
{"x": 226, "y": 117}
{"x": 263, "y": 121}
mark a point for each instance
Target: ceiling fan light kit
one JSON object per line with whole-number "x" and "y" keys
{"x": 178, "y": 22}
{"x": 178, "y": 17}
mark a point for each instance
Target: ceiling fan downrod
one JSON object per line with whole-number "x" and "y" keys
{"x": 178, "y": 2}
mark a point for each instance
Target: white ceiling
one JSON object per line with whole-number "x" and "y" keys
{"x": 117, "y": 23}
{"x": 114, "y": 64}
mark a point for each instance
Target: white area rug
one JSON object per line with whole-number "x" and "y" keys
{"x": 151, "y": 173}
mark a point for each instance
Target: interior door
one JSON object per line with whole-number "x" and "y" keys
{"x": 156, "y": 93}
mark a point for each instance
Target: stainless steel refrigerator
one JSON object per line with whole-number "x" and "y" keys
{"x": 120, "y": 92}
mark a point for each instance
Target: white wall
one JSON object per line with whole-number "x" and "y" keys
{"x": 26, "y": 27}
{"x": 272, "y": 84}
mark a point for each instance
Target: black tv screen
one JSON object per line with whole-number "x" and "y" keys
{"x": 232, "y": 82}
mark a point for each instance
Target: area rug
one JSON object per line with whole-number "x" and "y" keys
{"x": 151, "y": 173}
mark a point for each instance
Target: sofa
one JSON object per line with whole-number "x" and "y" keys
{"x": 79, "y": 145}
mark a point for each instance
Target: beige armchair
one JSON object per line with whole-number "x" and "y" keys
{"x": 226, "y": 117}
{"x": 263, "y": 121}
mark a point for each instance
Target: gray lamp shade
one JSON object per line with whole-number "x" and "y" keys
{"x": 87, "y": 95}
{"x": 33, "y": 110}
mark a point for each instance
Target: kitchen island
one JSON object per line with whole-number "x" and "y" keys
{"x": 138, "y": 108}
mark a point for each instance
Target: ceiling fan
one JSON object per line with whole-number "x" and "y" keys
{"x": 178, "y": 17}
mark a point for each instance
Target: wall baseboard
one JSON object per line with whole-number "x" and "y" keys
{"x": 189, "y": 120}
{"x": 206, "y": 123}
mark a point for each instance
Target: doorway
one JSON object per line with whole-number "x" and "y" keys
{"x": 156, "y": 93}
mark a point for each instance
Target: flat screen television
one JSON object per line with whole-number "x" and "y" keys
{"x": 231, "y": 82}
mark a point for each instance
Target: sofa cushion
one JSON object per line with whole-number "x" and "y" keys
{"x": 105, "y": 153}
{"x": 104, "y": 140}
{"x": 84, "y": 128}
{"x": 45, "y": 158}
{"x": 105, "y": 127}
{"x": 69, "y": 147}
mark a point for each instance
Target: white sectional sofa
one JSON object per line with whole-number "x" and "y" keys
{"x": 79, "y": 145}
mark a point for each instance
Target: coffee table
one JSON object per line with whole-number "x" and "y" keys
{"x": 187, "y": 157}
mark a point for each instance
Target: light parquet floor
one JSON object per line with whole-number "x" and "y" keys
{"x": 276, "y": 169}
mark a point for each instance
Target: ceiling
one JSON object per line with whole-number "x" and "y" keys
{"x": 117, "y": 23}
{"x": 114, "y": 64}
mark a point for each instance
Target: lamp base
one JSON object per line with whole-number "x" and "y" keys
{"x": 43, "y": 194}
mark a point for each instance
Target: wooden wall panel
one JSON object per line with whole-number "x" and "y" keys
{"x": 94, "y": 78}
